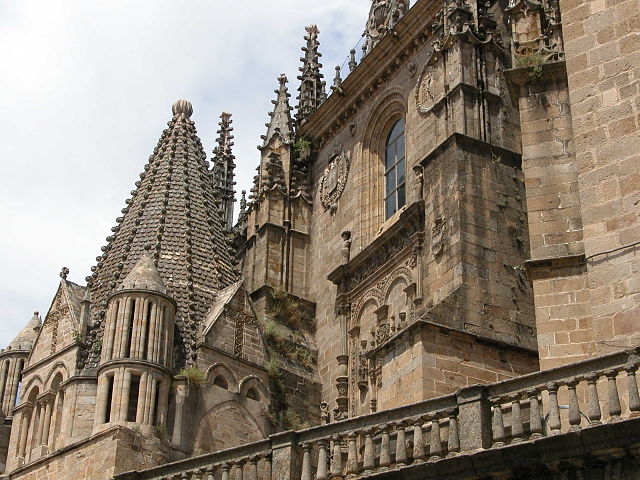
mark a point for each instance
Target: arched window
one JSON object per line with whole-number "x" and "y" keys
{"x": 221, "y": 382}
{"x": 253, "y": 394}
{"x": 395, "y": 170}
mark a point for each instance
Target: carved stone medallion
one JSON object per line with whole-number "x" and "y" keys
{"x": 334, "y": 180}
{"x": 430, "y": 88}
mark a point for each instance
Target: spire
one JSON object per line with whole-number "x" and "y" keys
{"x": 24, "y": 340}
{"x": 312, "y": 90}
{"x": 223, "y": 169}
{"x": 383, "y": 16}
{"x": 280, "y": 123}
{"x": 172, "y": 210}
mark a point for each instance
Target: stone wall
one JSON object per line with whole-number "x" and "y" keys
{"x": 97, "y": 458}
{"x": 602, "y": 43}
{"x": 474, "y": 222}
{"x": 432, "y": 362}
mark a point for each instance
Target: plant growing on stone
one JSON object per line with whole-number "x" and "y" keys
{"x": 78, "y": 338}
{"x": 534, "y": 61}
{"x": 194, "y": 376}
{"x": 303, "y": 146}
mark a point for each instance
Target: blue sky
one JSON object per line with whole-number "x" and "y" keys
{"x": 86, "y": 89}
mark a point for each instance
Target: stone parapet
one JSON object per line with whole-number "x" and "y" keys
{"x": 526, "y": 416}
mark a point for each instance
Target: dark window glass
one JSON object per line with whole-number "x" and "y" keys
{"x": 395, "y": 170}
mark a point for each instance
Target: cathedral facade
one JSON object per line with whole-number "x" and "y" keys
{"x": 435, "y": 274}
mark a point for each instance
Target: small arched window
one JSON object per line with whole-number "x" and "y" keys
{"x": 395, "y": 170}
{"x": 253, "y": 394}
{"x": 221, "y": 382}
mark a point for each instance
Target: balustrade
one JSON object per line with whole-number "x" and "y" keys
{"x": 522, "y": 409}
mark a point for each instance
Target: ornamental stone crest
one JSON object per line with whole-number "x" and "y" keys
{"x": 384, "y": 14}
{"x": 334, "y": 179}
{"x": 430, "y": 87}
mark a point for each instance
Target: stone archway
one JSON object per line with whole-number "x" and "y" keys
{"x": 224, "y": 426}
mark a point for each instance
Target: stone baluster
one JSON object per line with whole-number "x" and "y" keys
{"x": 252, "y": 473}
{"x": 517, "y": 427}
{"x": 401, "y": 445}
{"x": 595, "y": 414}
{"x": 615, "y": 409}
{"x": 225, "y": 471}
{"x": 574, "y": 407}
{"x": 453, "y": 445}
{"x": 368, "y": 459}
{"x": 240, "y": 470}
{"x": 306, "y": 462}
{"x": 535, "y": 416}
{"x": 499, "y": 435}
{"x": 267, "y": 466}
{"x": 632, "y": 385}
{"x": 336, "y": 459}
{"x": 352, "y": 454}
{"x": 210, "y": 472}
{"x": 322, "y": 473}
{"x": 418, "y": 442}
{"x": 554, "y": 409}
{"x": 385, "y": 449}
{"x": 435, "y": 444}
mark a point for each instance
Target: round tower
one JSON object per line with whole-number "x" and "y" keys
{"x": 135, "y": 367}
{"x": 13, "y": 360}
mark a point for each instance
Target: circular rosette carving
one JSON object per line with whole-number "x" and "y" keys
{"x": 334, "y": 180}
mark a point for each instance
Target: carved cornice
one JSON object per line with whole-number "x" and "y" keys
{"x": 390, "y": 55}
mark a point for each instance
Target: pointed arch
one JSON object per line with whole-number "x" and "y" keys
{"x": 253, "y": 384}
{"x": 221, "y": 372}
{"x": 386, "y": 113}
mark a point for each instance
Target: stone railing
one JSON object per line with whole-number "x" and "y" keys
{"x": 526, "y": 408}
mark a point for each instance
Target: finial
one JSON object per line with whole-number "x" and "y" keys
{"x": 283, "y": 82}
{"x": 338, "y": 80}
{"x": 64, "y": 272}
{"x": 352, "y": 60}
{"x": 182, "y": 107}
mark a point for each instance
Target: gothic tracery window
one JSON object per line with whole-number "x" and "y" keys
{"x": 395, "y": 170}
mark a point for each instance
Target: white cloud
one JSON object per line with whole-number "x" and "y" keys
{"x": 87, "y": 87}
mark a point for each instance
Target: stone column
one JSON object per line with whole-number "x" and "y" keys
{"x": 25, "y": 420}
{"x": 46, "y": 424}
{"x": 342, "y": 377}
{"x": 15, "y": 381}
{"x": 142, "y": 398}
{"x": 127, "y": 329}
{"x": 4, "y": 368}
{"x": 42, "y": 417}
{"x": 181, "y": 394}
{"x": 101, "y": 402}
{"x": 112, "y": 317}
{"x": 153, "y": 326}
{"x": 123, "y": 401}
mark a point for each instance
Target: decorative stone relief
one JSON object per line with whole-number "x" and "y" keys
{"x": 58, "y": 311}
{"x": 430, "y": 89}
{"x": 334, "y": 179}
{"x": 438, "y": 235}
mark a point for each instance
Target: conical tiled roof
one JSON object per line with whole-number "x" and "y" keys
{"x": 172, "y": 213}
{"x": 24, "y": 340}
{"x": 144, "y": 276}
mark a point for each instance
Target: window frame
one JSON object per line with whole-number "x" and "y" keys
{"x": 398, "y": 191}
